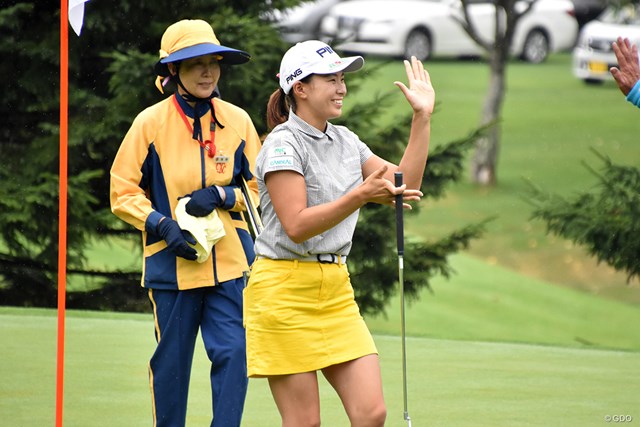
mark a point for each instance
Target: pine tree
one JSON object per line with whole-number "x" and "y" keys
{"x": 605, "y": 220}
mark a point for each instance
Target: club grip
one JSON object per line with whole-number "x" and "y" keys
{"x": 399, "y": 215}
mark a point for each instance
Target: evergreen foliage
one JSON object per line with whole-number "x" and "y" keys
{"x": 110, "y": 81}
{"x": 605, "y": 220}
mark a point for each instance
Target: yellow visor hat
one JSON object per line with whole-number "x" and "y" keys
{"x": 190, "y": 38}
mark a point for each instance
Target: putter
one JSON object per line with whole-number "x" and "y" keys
{"x": 400, "y": 243}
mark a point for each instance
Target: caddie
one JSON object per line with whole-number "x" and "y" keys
{"x": 191, "y": 144}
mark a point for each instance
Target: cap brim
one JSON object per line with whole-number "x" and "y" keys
{"x": 229, "y": 56}
{"x": 347, "y": 65}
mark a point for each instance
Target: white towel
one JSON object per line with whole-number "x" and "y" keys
{"x": 207, "y": 230}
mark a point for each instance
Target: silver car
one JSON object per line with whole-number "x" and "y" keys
{"x": 593, "y": 54}
{"x": 427, "y": 28}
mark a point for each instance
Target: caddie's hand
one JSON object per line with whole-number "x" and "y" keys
{"x": 627, "y": 73}
{"x": 177, "y": 239}
{"x": 204, "y": 201}
{"x": 378, "y": 189}
{"x": 420, "y": 93}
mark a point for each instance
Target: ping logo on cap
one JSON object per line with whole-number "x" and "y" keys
{"x": 293, "y": 75}
{"x": 322, "y": 51}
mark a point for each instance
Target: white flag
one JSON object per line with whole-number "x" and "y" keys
{"x": 76, "y": 14}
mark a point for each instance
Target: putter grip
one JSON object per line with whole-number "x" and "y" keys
{"x": 399, "y": 215}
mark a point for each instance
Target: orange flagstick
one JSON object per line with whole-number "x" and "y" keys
{"x": 62, "y": 210}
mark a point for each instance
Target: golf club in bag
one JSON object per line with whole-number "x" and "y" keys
{"x": 400, "y": 244}
{"x": 252, "y": 211}
{"x": 253, "y": 216}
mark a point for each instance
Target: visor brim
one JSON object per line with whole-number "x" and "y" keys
{"x": 229, "y": 56}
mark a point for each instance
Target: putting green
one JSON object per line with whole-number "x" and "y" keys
{"x": 451, "y": 383}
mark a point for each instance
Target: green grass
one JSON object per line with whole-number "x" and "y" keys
{"x": 451, "y": 383}
{"x": 491, "y": 303}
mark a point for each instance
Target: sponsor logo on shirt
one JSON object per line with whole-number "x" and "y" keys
{"x": 281, "y": 151}
{"x": 281, "y": 162}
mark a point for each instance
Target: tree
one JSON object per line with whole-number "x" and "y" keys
{"x": 485, "y": 159}
{"x": 111, "y": 80}
{"x": 606, "y": 220}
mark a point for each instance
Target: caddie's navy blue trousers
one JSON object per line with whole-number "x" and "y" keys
{"x": 217, "y": 313}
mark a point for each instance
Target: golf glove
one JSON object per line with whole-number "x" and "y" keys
{"x": 204, "y": 201}
{"x": 177, "y": 239}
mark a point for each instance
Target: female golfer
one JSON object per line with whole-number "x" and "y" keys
{"x": 313, "y": 177}
{"x": 191, "y": 144}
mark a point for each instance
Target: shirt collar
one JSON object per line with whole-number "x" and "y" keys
{"x": 304, "y": 127}
{"x": 203, "y": 107}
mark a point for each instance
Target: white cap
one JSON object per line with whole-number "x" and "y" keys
{"x": 313, "y": 57}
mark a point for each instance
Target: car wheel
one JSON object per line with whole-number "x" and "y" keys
{"x": 418, "y": 44}
{"x": 536, "y": 47}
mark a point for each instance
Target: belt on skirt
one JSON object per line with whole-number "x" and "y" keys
{"x": 321, "y": 258}
{"x": 326, "y": 258}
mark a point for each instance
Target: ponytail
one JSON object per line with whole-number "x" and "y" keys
{"x": 277, "y": 109}
{"x": 279, "y": 105}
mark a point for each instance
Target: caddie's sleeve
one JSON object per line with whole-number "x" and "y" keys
{"x": 128, "y": 198}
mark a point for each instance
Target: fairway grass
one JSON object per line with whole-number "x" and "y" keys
{"x": 451, "y": 383}
{"x": 491, "y": 303}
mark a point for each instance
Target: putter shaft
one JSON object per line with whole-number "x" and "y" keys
{"x": 400, "y": 245}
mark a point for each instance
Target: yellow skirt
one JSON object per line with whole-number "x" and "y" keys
{"x": 301, "y": 317}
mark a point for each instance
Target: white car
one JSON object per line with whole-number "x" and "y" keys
{"x": 429, "y": 28}
{"x": 301, "y": 22}
{"x": 593, "y": 54}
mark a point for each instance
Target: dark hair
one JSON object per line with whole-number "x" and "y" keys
{"x": 279, "y": 105}
{"x": 278, "y": 108}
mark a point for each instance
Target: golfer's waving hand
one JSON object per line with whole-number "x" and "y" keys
{"x": 421, "y": 97}
{"x": 420, "y": 93}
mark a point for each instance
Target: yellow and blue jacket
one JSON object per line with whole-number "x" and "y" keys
{"x": 159, "y": 162}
